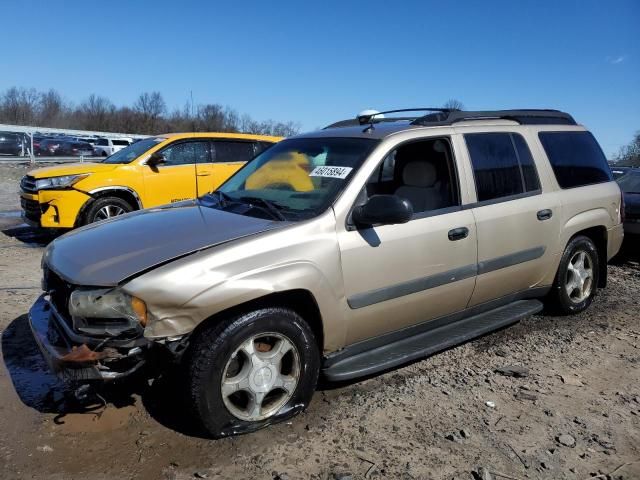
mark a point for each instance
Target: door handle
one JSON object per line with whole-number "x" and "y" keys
{"x": 545, "y": 214}
{"x": 203, "y": 174}
{"x": 458, "y": 233}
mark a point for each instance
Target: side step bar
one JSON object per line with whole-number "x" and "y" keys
{"x": 426, "y": 343}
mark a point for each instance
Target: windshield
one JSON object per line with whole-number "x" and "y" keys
{"x": 293, "y": 180}
{"x": 130, "y": 153}
{"x": 630, "y": 182}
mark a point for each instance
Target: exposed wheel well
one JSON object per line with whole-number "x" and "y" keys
{"x": 300, "y": 301}
{"x": 598, "y": 236}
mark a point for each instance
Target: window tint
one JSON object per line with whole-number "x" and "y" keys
{"x": 502, "y": 165}
{"x": 576, "y": 158}
{"x": 261, "y": 147}
{"x": 233, "y": 151}
{"x": 529, "y": 173}
{"x": 495, "y": 165}
{"x": 102, "y": 142}
{"x": 120, "y": 142}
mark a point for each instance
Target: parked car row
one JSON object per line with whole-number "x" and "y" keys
{"x": 339, "y": 253}
{"x": 19, "y": 144}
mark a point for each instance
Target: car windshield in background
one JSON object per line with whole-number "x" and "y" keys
{"x": 130, "y": 153}
{"x": 293, "y": 180}
{"x": 630, "y": 182}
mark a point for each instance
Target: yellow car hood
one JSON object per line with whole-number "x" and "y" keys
{"x": 72, "y": 169}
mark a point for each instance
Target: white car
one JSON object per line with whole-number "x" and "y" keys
{"x": 108, "y": 146}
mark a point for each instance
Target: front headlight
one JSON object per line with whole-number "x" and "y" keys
{"x": 59, "y": 182}
{"x": 108, "y": 311}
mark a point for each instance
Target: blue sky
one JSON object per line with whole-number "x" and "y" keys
{"x": 316, "y": 62}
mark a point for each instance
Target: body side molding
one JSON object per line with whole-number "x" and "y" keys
{"x": 372, "y": 297}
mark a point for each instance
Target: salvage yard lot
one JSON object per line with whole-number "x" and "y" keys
{"x": 571, "y": 410}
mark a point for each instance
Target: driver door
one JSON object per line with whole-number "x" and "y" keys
{"x": 178, "y": 177}
{"x": 400, "y": 275}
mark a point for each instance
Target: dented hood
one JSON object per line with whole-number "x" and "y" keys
{"x": 106, "y": 253}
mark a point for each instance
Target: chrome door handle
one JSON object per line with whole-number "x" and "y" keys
{"x": 458, "y": 233}
{"x": 545, "y": 214}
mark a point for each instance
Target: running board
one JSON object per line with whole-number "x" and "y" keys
{"x": 426, "y": 343}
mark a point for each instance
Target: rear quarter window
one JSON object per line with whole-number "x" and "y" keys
{"x": 576, "y": 158}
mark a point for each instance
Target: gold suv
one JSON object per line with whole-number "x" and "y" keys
{"x": 154, "y": 171}
{"x": 407, "y": 236}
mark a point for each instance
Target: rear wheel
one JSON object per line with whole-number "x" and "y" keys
{"x": 105, "y": 208}
{"x": 251, "y": 371}
{"x": 577, "y": 278}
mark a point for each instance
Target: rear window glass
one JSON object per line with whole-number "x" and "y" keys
{"x": 576, "y": 158}
{"x": 233, "y": 151}
{"x": 120, "y": 142}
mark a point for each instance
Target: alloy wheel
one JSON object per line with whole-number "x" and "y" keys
{"x": 260, "y": 377}
{"x": 109, "y": 211}
{"x": 579, "y": 281}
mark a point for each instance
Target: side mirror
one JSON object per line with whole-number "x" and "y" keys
{"x": 383, "y": 210}
{"x": 156, "y": 159}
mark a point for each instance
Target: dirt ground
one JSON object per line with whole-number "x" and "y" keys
{"x": 575, "y": 414}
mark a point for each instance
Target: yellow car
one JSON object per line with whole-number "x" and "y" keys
{"x": 154, "y": 171}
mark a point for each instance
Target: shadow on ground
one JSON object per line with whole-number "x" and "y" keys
{"x": 38, "y": 388}
{"x": 37, "y": 237}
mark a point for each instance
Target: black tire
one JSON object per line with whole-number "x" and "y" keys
{"x": 95, "y": 209}
{"x": 212, "y": 348}
{"x": 559, "y": 301}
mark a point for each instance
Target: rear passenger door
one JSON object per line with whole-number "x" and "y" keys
{"x": 517, "y": 226}
{"x": 228, "y": 157}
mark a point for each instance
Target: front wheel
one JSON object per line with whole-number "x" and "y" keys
{"x": 105, "y": 208}
{"x": 577, "y": 277}
{"x": 251, "y": 371}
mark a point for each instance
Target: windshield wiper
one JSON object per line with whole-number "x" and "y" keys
{"x": 222, "y": 197}
{"x": 270, "y": 206}
{"x": 273, "y": 209}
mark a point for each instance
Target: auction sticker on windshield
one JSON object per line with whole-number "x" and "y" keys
{"x": 331, "y": 172}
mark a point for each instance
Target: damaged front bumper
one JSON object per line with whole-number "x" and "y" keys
{"x": 81, "y": 358}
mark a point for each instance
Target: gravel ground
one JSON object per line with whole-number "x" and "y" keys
{"x": 566, "y": 406}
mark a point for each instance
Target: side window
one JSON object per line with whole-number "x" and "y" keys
{"x": 261, "y": 147}
{"x": 179, "y": 154}
{"x": 102, "y": 142}
{"x": 233, "y": 151}
{"x": 576, "y": 158}
{"x": 422, "y": 172}
{"x": 502, "y": 165}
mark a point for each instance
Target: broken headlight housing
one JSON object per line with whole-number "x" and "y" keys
{"x": 107, "y": 312}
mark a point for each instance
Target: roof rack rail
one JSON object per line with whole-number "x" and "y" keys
{"x": 373, "y": 117}
{"x": 523, "y": 117}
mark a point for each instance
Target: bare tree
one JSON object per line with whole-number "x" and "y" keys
{"x": 22, "y": 106}
{"x": 151, "y": 107}
{"x": 52, "y": 108}
{"x": 629, "y": 155}
{"x": 19, "y": 105}
{"x": 96, "y": 113}
{"x": 453, "y": 104}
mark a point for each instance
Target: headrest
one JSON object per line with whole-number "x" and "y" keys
{"x": 419, "y": 174}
